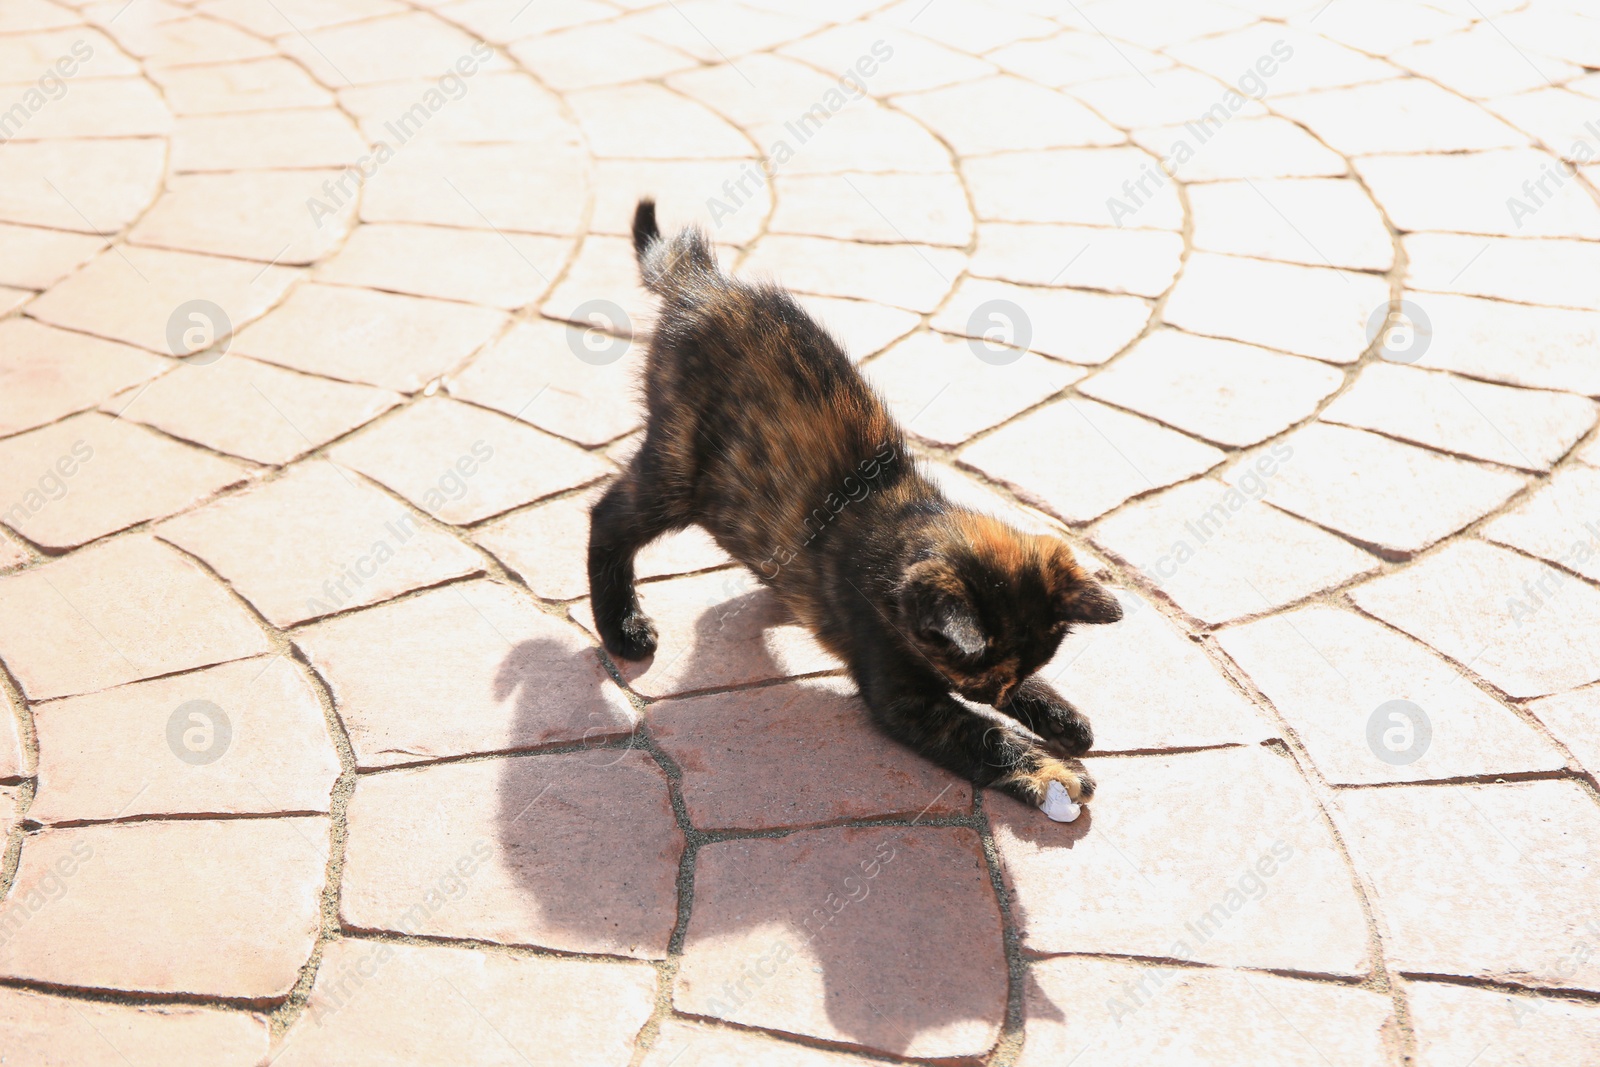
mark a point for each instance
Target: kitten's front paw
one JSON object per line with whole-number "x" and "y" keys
{"x": 634, "y": 639}
{"x": 1032, "y": 786}
{"x": 1063, "y": 726}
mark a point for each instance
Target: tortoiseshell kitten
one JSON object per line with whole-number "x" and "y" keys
{"x": 761, "y": 430}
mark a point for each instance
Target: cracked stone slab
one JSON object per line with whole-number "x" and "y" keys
{"x": 1575, "y": 720}
{"x": 50, "y": 373}
{"x": 1454, "y": 1023}
{"x": 46, "y": 1029}
{"x": 1559, "y": 522}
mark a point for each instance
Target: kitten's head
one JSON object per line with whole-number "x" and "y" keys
{"x": 989, "y": 605}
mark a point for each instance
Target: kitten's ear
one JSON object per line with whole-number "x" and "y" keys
{"x": 934, "y": 603}
{"x": 1089, "y": 601}
{"x": 960, "y": 628}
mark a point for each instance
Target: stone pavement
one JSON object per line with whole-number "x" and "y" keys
{"x": 1284, "y": 313}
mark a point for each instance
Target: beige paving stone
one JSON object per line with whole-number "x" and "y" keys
{"x": 252, "y": 409}
{"x": 1330, "y": 673}
{"x": 1559, "y": 522}
{"x": 376, "y": 1002}
{"x": 546, "y": 546}
{"x": 1141, "y": 262}
{"x": 907, "y": 276}
{"x": 864, "y": 137}
{"x": 100, "y": 107}
{"x": 751, "y": 760}
{"x": 1474, "y": 63}
{"x": 1446, "y": 193}
{"x": 1526, "y": 627}
{"x": 1007, "y": 114}
{"x": 646, "y": 121}
{"x": 1559, "y": 118}
{"x": 1171, "y": 869}
{"x": 925, "y": 208}
{"x": 526, "y": 188}
{"x": 1530, "y": 271}
{"x": 500, "y": 270}
{"x": 127, "y": 917}
{"x": 1115, "y": 456}
{"x": 12, "y": 552}
{"x": 1310, "y": 311}
{"x": 1187, "y": 23}
{"x": 1360, "y": 26}
{"x": 1026, "y": 187}
{"x": 460, "y": 463}
{"x": 902, "y": 63}
{"x": 1263, "y": 147}
{"x": 481, "y": 109}
{"x": 1164, "y": 98}
{"x": 11, "y": 298}
{"x": 1075, "y": 56}
{"x": 35, "y": 15}
{"x": 242, "y": 738}
{"x": 832, "y": 934}
{"x": 1315, "y": 221}
{"x": 564, "y": 60}
{"x": 90, "y": 475}
{"x": 1069, "y": 324}
{"x": 36, "y": 259}
{"x": 46, "y": 1029}
{"x": 389, "y": 340}
{"x": 1516, "y": 427}
{"x": 13, "y": 761}
{"x": 100, "y": 185}
{"x": 602, "y": 290}
{"x": 294, "y": 16}
{"x": 969, "y": 26}
{"x": 318, "y": 541}
{"x": 543, "y": 373}
{"x": 1305, "y": 60}
{"x": 1561, "y": 34}
{"x": 511, "y": 676}
{"x": 940, "y": 389}
{"x": 183, "y": 41}
{"x": 1405, "y": 115}
{"x": 739, "y": 29}
{"x": 115, "y": 613}
{"x": 1395, "y": 497}
{"x": 24, "y": 56}
{"x": 409, "y": 45}
{"x": 1223, "y": 391}
{"x": 718, "y": 629}
{"x": 1189, "y": 703}
{"x": 728, "y": 1047}
{"x": 270, "y": 84}
{"x": 1443, "y": 861}
{"x": 862, "y": 328}
{"x": 297, "y": 139}
{"x": 1453, "y": 1021}
{"x": 1120, "y": 1012}
{"x": 501, "y": 21}
{"x": 134, "y": 294}
{"x": 687, "y": 191}
{"x": 575, "y": 852}
{"x": 1556, "y": 348}
{"x": 258, "y": 215}
{"x": 781, "y": 89}
{"x": 46, "y": 373}
{"x": 1573, "y": 718}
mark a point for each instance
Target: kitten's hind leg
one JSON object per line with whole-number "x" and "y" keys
{"x": 1038, "y": 706}
{"x": 625, "y": 519}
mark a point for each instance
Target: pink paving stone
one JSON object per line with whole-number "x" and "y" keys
{"x": 600, "y": 283}
{"x": 1069, "y": 324}
{"x": 409, "y": 45}
{"x": 741, "y": 29}
{"x": 903, "y": 63}
{"x": 12, "y": 552}
{"x": 647, "y": 121}
{"x": 883, "y": 937}
{"x": 1445, "y": 193}
{"x": 727, "y": 1047}
{"x": 46, "y": 373}
{"x": 499, "y": 22}
{"x": 496, "y": 107}
{"x": 503, "y": 270}
{"x": 546, "y": 546}
{"x": 270, "y": 84}
{"x": 1315, "y": 221}
{"x": 528, "y": 188}
{"x": 251, "y": 409}
{"x": 101, "y": 107}
{"x": 511, "y": 676}
{"x": 1394, "y": 497}
{"x": 35, "y": 15}
{"x": 1110, "y": 1011}
{"x": 162, "y": 748}
{"x": 1405, "y": 115}
{"x": 864, "y": 329}
{"x": 91, "y": 474}
{"x": 379, "y": 1003}
{"x": 267, "y": 140}
{"x": 1141, "y": 262}
{"x": 564, "y": 60}
{"x": 1556, "y": 348}
{"x": 717, "y": 629}
{"x": 136, "y": 895}
{"x": 171, "y": 42}
{"x": 36, "y": 259}
{"x": 1223, "y": 391}
{"x": 1528, "y": 270}
{"x": 1575, "y": 720}
{"x": 1116, "y": 456}
{"x": 259, "y": 215}
{"x": 105, "y": 182}
{"x": 317, "y": 541}
{"x": 1559, "y": 522}
{"x": 1453, "y": 1023}
{"x": 44, "y": 1029}
{"x": 1515, "y": 427}
{"x": 460, "y": 463}
{"x": 942, "y": 390}
{"x": 908, "y": 276}
{"x": 925, "y": 208}
{"x": 13, "y": 762}
{"x": 679, "y": 187}
{"x": 1007, "y": 114}
{"x": 1526, "y": 627}
{"x": 1189, "y": 702}
{"x": 1026, "y": 187}
{"x": 132, "y": 294}
{"x": 22, "y": 54}
{"x": 1220, "y": 554}
{"x": 795, "y": 755}
{"x": 1448, "y": 863}
{"x": 1310, "y": 311}
{"x": 397, "y": 342}
{"x": 1265, "y": 147}
{"x": 575, "y": 852}
{"x": 1330, "y": 673}
{"x": 128, "y": 609}
{"x": 1212, "y": 857}
{"x": 277, "y": 20}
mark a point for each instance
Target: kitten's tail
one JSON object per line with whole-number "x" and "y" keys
{"x": 675, "y": 265}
